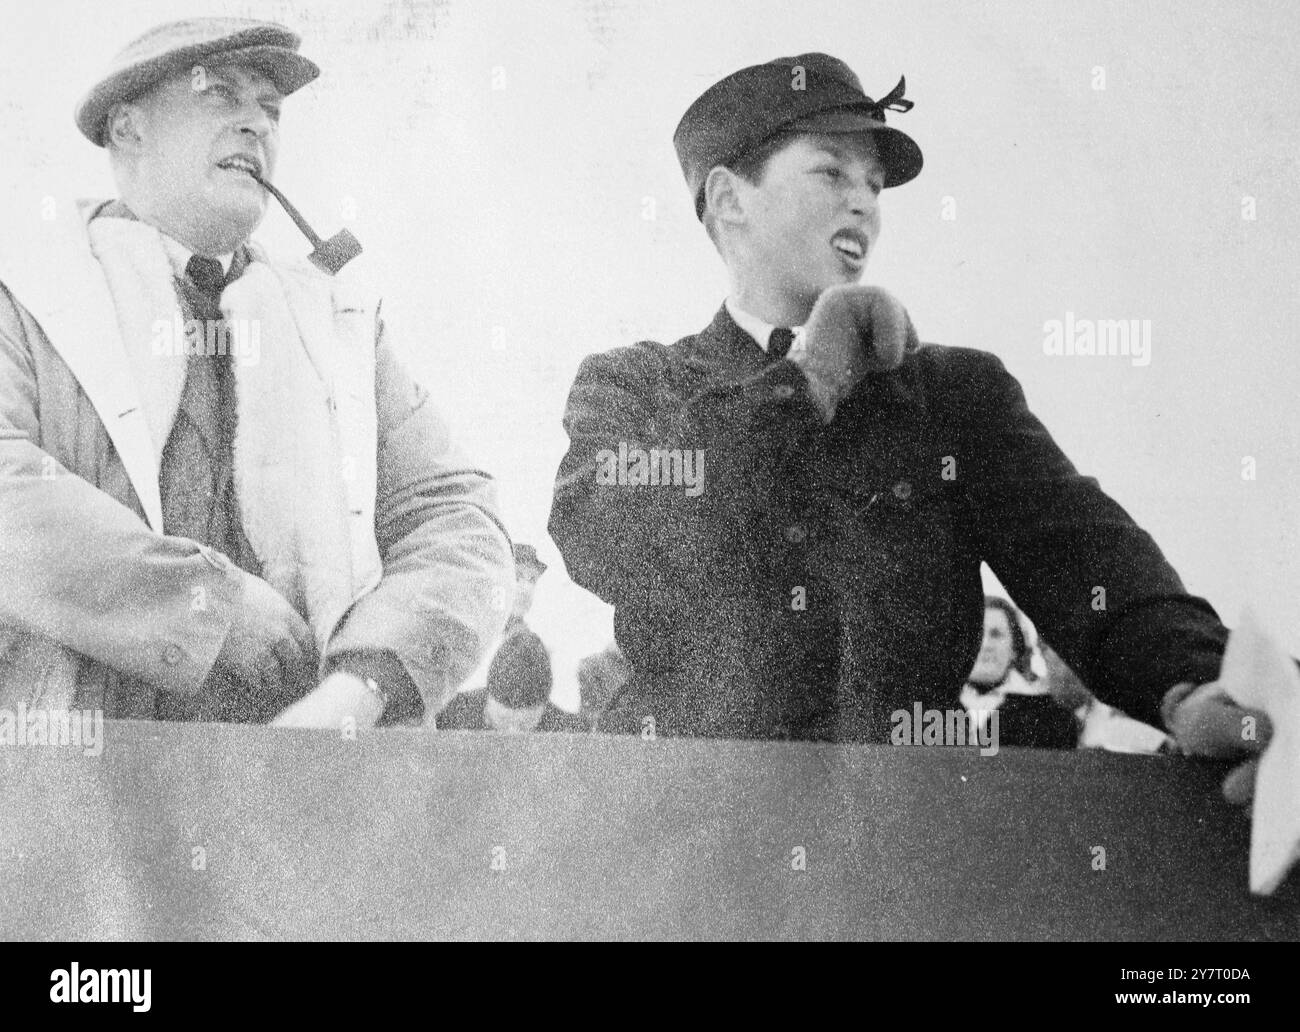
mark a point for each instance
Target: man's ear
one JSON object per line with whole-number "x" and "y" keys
{"x": 722, "y": 195}
{"x": 122, "y": 130}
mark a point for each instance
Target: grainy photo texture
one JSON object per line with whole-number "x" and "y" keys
{"x": 632, "y": 469}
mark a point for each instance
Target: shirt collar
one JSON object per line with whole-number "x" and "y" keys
{"x": 758, "y": 329}
{"x": 179, "y": 255}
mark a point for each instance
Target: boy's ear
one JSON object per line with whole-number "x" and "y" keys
{"x": 722, "y": 195}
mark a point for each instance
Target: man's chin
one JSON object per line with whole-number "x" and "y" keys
{"x": 235, "y": 221}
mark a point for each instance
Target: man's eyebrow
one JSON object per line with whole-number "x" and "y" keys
{"x": 264, "y": 88}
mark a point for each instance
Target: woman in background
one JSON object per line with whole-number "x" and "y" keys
{"x": 1003, "y": 680}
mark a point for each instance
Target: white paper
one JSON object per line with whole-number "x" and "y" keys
{"x": 1258, "y": 673}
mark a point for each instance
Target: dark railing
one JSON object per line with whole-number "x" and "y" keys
{"x": 222, "y": 831}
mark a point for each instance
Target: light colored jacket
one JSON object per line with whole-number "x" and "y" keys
{"x": 98, "y": 608}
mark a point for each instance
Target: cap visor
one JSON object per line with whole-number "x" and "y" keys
{"x": 899, "y": 153}
{"x": 287, "y": 69}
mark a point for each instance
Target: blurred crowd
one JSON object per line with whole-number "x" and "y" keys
{"x": 1040, "y": 701}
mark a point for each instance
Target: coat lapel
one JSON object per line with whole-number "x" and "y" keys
{"x": 725, "y": 350}
{"x": 69, "y": 297}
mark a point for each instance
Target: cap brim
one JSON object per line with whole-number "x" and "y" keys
{"x": 899, "y": 153}
{"x": 286, "y": 69}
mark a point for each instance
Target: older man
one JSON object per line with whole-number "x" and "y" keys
{"x": 221, "y": 495}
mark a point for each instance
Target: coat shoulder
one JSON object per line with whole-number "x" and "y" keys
{"x": 644, "y": 360}
{"x": 958, "y": 387}
{"x": 943, "y": 365}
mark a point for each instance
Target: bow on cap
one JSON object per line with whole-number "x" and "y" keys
{"x": 894, "y": 99}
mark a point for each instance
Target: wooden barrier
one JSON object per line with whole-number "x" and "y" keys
{"x": 229, "y": 832}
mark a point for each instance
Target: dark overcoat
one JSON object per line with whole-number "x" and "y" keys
{"x": 818, "y": 578}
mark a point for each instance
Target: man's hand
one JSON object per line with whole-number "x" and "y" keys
{"x": 1206, "y": 722}
{"x": 340, "y": 696}
{"x": 852, "y": 331}
{"x": 269, "y": 651}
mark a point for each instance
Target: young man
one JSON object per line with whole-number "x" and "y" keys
{"x": 826, "y": 570}
{"x": 262, "y": 517}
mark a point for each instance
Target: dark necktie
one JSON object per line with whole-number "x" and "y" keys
{"x": 196, "y": 461}
{"x": 778, "y": 344}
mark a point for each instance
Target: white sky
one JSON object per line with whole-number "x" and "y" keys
{"x": 519, "y": 216}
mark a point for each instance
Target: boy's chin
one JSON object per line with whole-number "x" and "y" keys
{"x": 837, "y": 279}
{"x": 834, "y": 281}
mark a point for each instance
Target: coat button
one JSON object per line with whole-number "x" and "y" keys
{"x": 172, "y": 655}
{"x": 795, "y": 533}
{"x": 783, "y": 391}
{"x": 902, "y": 490}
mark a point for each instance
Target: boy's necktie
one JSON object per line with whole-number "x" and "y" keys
{"x": 778, "y": 344}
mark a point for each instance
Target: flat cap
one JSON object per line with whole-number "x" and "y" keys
{"x": 807, "y": 93}
{"x": 178, "y": 46}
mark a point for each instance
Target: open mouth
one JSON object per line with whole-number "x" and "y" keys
{"x": 851, "y": 244}
{"x": 244, "y": 163}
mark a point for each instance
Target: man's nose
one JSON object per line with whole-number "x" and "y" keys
{"x": 256, "y": 122}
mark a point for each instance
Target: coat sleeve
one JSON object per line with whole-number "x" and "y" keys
{"x": 448, "y": 572}
{"x": 78, "y": 567}
{"x": 641, "y": 545}
{"x": 1095, "y": 584}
